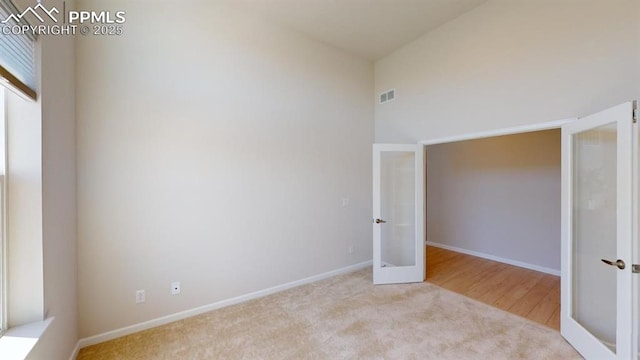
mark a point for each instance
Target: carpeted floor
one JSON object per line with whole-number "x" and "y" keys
{"x": 346, "y": 317}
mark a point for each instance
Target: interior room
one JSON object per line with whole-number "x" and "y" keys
{"x": 194, "y": 179}
{"x": 493, "y": 221}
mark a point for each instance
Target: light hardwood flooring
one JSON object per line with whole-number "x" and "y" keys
{"x": 530, "y": 294}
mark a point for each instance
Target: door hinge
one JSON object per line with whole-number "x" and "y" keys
{"x": 635, "y": 111}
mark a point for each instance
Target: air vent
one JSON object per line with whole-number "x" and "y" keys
{"x": 387, "y": 96}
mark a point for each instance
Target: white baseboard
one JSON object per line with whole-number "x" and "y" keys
{"x": 110, "y": 335}
{"x": 75, "y": 352}
{"x": 497, "y": 258}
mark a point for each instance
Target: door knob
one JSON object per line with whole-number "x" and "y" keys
{"x": 379, "y": 221}
{"x": 619, "y": 263}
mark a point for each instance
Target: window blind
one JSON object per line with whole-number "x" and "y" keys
{"x": 17, "y": 60}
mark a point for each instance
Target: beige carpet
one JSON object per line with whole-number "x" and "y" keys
{"x": 346, "y": 317}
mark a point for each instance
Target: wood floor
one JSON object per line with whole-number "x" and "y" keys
{"x": 527, "y": 293}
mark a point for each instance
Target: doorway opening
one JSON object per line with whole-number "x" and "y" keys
{"x": 598, "y": 225}
{"x": 493, "y": 221}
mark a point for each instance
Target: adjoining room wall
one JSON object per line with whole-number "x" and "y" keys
{"x": 214, "y": 149}
{"x": 508, "y": 63}
{"x": 498, "y": 196}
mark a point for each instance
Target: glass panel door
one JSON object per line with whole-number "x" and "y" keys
{"x": 398, "y": 196}
{"x": 594, "y": 231}
{"x": 398, "y": 214}
{"x": 597, "y": 301}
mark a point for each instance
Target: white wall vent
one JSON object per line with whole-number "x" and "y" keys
{"x": 387, "y": 96}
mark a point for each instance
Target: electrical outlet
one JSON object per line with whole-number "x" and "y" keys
{"x": 351, "y": 249}
{"x": 140, "y": 296}
{"x": 175, "y": 288}
{"x": 345, "y": 202}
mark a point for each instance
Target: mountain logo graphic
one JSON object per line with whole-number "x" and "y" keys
{"x": 34, "y": 11}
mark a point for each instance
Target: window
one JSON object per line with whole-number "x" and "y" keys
{"x": 17, "y": 60}
{"x": 23, "y": 278}
{"x": 17, "y": 73}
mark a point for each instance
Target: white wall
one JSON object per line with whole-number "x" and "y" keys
{"x": 509, "y": 63}
{"x": 42, "y": 202}
{"x": 498, "y": 196}
{"x": 214, "y": 149}
{"x": 59, "y": 240}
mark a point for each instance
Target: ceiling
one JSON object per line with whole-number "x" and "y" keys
{"x": 369, "y": 28}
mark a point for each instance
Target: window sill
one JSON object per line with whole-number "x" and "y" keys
{"x": 18, "y": 341}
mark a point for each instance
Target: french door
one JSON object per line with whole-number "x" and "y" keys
{"x": 398, "y": 213}
{"x": 599, "y": 234}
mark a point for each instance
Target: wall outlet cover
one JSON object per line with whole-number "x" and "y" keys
{"x": 140, "y": 296}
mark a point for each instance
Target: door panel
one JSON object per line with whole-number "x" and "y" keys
{"x": 398, "y": 213}
{"x": 597, "y": 209}
{"x": 397, "y": 185}
{"x": 594, "y": 231}
{"x": 635, "y": 236}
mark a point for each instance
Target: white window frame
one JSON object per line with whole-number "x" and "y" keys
{"x": 19, "y": 340}
{"x": 3, "y": 243}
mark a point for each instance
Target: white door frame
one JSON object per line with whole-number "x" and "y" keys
{"x": 635, "y": 256}
{"x": 571, "y": 329}
{"x": 549, "y": 125}
{"x": 399, "y": 274}
{"x": 499, "y": 132}
{"x": 523, "y": 129}
{"x": 558, "y": 125}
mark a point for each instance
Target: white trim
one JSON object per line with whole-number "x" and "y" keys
{"x": 113, "y": 334}
{"x": 588, "y": 345}
{"x": 4, "y": 308}
{"x": 17, "y": 342}
{"x": 500, "y": 132}
{"x": 76, "y": 350}
{"x": 635, "y": 257}
{"x": 497, "y": 258}
{"x": 399, "y": 274}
